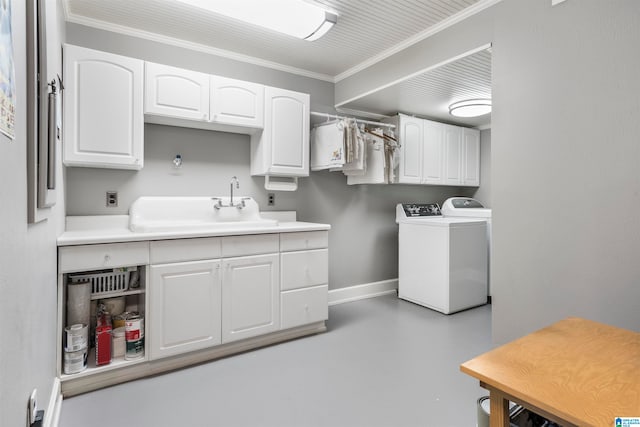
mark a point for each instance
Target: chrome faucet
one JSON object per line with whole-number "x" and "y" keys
{"x": 233, "y": 179}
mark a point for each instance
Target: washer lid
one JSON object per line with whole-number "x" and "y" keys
{"x": 439, "y": 221}
{"x": 465, "y": 207}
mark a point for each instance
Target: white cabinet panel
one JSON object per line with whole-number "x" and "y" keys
{"x": 471, "y": 157}
{"x": 452, "y": 155}
{"x": 282, "y": 148}
{"x": 164, "y": 251}
{"x": 103, "y": 256}
{"x": 304, "y": 240}
{"x": 303, "y": 306}
{"x": 176, "y": 92}
{"x": 251, "y": 244}
{"x": 185, "y": 307}
{"x": 237, "y": 102}
{"x": 304, "y": 268}
{"x": 103, "y": 109}
{"x": 432, "y": 156}
{"x": 250, "y": 296}
{"x": 411, "y": 138}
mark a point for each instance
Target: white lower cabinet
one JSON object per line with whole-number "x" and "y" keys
{"x": 303, "y": 306}
{"x": 185, "y": 307}
{"x": 199, "y": 296}
{"x": 250, "y": 296}
{"x": 304, "y": 278}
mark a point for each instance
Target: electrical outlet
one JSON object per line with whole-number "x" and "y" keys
{"x": 33, "y": 406}
{"x": 112, "y": 199}
{"x": 272, "y": 199}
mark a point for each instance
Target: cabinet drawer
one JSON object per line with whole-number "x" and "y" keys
{"x": 165, "y": 251}
{"x": 304, "y": 240}
{"x": 303, "y": 306}
{"x": 249, "y": 245}
{"x": 112, "y": 255}
{"x": 303, "y": 269}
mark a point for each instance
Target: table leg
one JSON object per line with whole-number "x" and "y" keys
{"x": 499, "y": 405}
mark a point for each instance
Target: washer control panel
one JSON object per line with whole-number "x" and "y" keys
{"x": 421, "y": 209}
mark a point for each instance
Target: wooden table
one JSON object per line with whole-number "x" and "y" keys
{"x": 575, "y": 372}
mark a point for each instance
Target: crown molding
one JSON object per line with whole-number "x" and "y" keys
{"x": 128, "y": 31}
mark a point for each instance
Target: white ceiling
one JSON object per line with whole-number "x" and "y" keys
{"x": 367, "y": 31}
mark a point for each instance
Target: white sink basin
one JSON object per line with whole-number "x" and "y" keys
{"x": 157, "y": 214}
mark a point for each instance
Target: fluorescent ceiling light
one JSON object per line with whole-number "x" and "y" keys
{"x": 297, "y": 18}
{"x": 470, "y": 108}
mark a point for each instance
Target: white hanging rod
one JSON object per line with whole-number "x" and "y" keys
{"x": 369, "y": 122}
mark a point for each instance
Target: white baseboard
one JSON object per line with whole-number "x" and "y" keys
{"x": 52, "y": 413}
{"x": 366, "y": 290}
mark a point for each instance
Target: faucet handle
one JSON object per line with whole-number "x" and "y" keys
{"x": 218, "y": 203}
{"x": 242, "y": 202}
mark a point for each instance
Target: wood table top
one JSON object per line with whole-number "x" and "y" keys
{"x": 585, "y": 372}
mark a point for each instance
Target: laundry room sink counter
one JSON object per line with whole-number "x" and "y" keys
{"x": 93, "y": 229}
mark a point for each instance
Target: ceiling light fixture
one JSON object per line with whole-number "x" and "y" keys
{"x": 470, "y": 108}
{"x": 297, "y": 18}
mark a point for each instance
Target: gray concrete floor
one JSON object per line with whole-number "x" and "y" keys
{"x": 383, "y": 362}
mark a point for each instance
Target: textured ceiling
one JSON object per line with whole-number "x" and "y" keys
{"x": 430, "y": 94}
{"x": 367, "y": 30}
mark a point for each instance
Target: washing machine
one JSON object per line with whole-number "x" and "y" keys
{"x": 466, "y": 207}
{"x": 442, "y": 262}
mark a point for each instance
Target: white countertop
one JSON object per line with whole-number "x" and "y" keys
{"x": 84, "y": 230}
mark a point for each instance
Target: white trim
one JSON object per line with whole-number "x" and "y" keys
{"x": 52, "y": 414}
{"x": 366, "y": 290}
{"x": 107, "y": 26}
{"x": 360, "y": 113}
{"x": 415, "y": 74}
{"x": 484, "y": 127}
{"x": 434, "y": 29}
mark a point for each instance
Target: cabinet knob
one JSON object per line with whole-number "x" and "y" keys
{"x": 107, "y": 258}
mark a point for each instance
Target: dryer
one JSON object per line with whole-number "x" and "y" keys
{"x": 442, "y": 262}
{"x": 466, "y": 207}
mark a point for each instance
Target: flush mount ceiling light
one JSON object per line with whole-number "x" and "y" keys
{"x": 297, "y": 18}
{"x": 470, "y": 108}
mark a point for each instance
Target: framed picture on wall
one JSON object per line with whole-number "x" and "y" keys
{"x": 7, "y": 72}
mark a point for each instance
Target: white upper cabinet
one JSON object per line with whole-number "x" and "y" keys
{"x": 411, "y": 137}
{"x": 471, "y": 150}
{"x": 452, "y": 155}
{"x": 237, "y": 102}
{"x": 204, "y": 100}
{"x": 103, "y": 109}
{"x": 282, "y": 148}
{"x": 175, "y": 92}
{"x": 432, "y": 153}
{"x": 435, "y": 153}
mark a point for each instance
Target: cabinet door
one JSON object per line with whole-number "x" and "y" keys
{"x": 250, "y": 296}
{"x": 282, "y": 148}
{"x": 471, "y": 157}
{"x": 452, "y": 155}
{"x": 175, "y": 92}
{"x": 185, "y": 307}
{"x": 103, "y": 114}
{"x": 411, "y": 140}
{"x": 433, "y": 155}
{"x": 303, "y": 306}
{"x": 236, "y": 102}
{"x": 302, "y": 269}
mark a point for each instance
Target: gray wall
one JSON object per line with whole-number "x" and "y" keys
{"x": 27, "y": 257}
{"x": 565, "y": 153}
{"x": 363, "y": 239}
{"x": 483, "y": 193}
